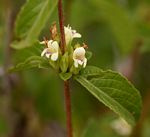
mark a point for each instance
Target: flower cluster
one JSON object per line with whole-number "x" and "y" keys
{"x": 77, "y": 54}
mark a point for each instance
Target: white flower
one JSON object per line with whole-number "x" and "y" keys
{"x": 51, "y": 51}
{"x": 79, "y": 57}
{"x": 70, "y": 34}
{"x": 121, "y": 127}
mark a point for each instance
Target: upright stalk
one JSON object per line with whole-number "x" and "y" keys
{"x": 68, "y": 108}
{"x": 61, "y": 25}
{"x": 66, "y": 83}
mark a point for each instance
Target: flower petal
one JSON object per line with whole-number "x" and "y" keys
{"x": 79, "y": 53}
{"x": 77, "y": 35}
{"x": 76, "y": 63}
{"x": 47, "y": 55}
{"x": 85, "y": 62}
{"x": 54, "y": 56}
{"x": 55, "y": 45}
{"x": 42, "y": 42}
{"x": 68, "y": 35}
{"x": 80, "y": 62}
{"x": 43, "y": 52}
{"x": 50, "y": 43}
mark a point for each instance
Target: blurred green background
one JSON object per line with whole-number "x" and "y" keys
{"x": 32, "y": 102}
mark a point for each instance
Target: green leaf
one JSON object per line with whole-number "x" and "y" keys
{"x": 65, "y": 76}
{"x": 21, "y": 55}
{"x": 31, "y": 62}
{"x": 121, "y": 25}
{"x": 112, "y": 89}
{"x": 31, "y": 20}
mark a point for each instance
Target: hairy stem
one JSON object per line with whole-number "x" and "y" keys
{"x": 66, "y": 83}
{"x": 61, "y": 25}
{"x": 68, "y": 108}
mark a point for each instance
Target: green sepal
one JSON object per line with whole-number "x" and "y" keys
{"x": 65, "y": 76}
{"x": 75, "y": 70}
{"x": 64, "y": 62}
